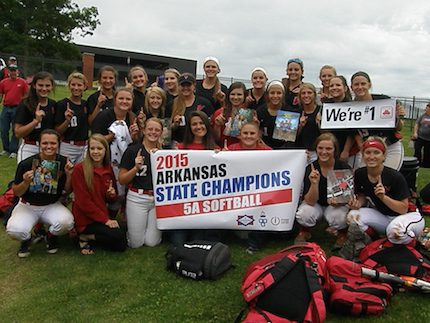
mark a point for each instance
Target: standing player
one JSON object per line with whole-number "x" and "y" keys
{"x": 12, "y": 90}
{"x": 71, "y": 119}
{"x": 102, "y": 99}
{"x": 35, "y": 113}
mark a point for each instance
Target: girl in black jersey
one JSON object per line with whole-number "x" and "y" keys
{"x": 139, "y": 79}
{"x": 71, "y": 119}
{"x": 327, "y": 72}
{"x": 255, "y": 96}
{"x": 309, "y": 127}
{"x": 339, "y": 92}
{"x": 361, "y": 85}
{"x": 292, "y": 86}
{"x": 315, "y": 203}
{"x": 186, "y": 102}
{"x": 35, "y": 113}
{"x": 102, "y": 99}
{"x": 171, "y": 85}
{"x": 135, "y": 171}
{"x": 381, "y": 203}
{"x": 268, "y": 112}
{"x": 210, "y": 87}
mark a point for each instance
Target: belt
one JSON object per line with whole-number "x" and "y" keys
{"x": 34, "y": 204}
{"x": 141, "y": 190}
{"x": 76, "y": 142}
{"x": 31, "y": 142}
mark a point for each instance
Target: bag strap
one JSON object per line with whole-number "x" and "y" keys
{"x": 279, "y": 271}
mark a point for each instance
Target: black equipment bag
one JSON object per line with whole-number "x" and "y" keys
{"x": 199, "y": 259}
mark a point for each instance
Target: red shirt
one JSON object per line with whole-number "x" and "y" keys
{"x": 90, "y": 206}
{"x": 239, "y": 147}
{"x": 230, "y": 140}
{"x": 13, "y": 90}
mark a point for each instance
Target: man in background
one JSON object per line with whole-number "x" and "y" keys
{"x": 12, "y": 90}
{"x": 5, "y": 73}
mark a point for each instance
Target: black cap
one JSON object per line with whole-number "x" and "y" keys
{"x": 13, "y": 67}
{"x": 187, "y": 78}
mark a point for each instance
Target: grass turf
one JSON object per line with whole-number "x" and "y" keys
{"x": 135, "y": 287}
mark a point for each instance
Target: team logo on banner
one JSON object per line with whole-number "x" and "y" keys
{"x": 227, "y": 189}
{"x": 245, "y": 220}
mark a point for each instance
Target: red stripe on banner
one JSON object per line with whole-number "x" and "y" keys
{"x": 245, "y": 201}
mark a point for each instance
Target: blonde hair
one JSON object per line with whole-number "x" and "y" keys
{"x": 137, "y": 68}
{"x": 307, "y": 86}
{"x": 154, "y": 119}
{"x": 78, "y": 76}
{"x": 328, "y": 67}
{"x": 159, "y": 91}
{"x": 173, "y": 71}
{"x": 88, "y": 163}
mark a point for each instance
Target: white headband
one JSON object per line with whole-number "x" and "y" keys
{"x": 211, "y": 58}
{"x": 272, "y": 83}
{"x": 260, "y": 69}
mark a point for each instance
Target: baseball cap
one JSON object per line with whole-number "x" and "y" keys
{"x": 186, "y": 78}
{"x": 12, "y": 58}
{"x": 13, "y": 67}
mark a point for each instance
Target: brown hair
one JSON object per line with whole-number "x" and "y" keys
{"x": 328, "y": 136}
{"x": 88, "y": 163}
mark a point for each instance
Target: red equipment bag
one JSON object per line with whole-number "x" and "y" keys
{"x": 399, "y": 259}
{"x": 286, "y": 286}
{"x": 350, "y": 293}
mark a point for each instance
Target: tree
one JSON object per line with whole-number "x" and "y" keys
{"x": 44, "y": 27}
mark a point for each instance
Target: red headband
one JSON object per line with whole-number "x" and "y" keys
{"x": 374, "y": 144}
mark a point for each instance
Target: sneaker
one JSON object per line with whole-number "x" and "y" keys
{"x": 12, "y": 155}
{"x": 4, "y": 153}
{"x": 251, "y": 250}
{"x": 51, "y": 243}
{"x": 39, "y": 235}
{"x": 24, "y": 250}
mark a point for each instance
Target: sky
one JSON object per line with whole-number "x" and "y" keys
{"x": 389, "y": 39}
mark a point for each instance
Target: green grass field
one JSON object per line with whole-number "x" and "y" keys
{"x": 135, "y": 287}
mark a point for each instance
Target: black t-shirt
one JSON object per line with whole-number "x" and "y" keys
{"x": 310, "y": 131}
{"x": 169, "y": 98}
{"x": 49, "y": 179}
{"x": 267, "y": 126}
{"x": 322, "y": 185}
{"x": 292, "y": 99}
{"x": 103, "y": 121}
{"x": 393, "y": 181}
{"x": 25, "y": 116}
{"x": 78, "y": 126}
{"x": 208, "y": 93}
{"x": 143, "y": 179}
{"x": 199, "y": 104}
{"x": 92, "y": 102}
{"x": 256, "y": 103}
{"x": 138, "y": 101}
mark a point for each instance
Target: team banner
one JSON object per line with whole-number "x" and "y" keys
{"x": 359, "y": 114}
{"x": 240, "y": 190}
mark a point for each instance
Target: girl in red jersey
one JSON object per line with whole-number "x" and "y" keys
{"x": 228, "y": 120}
{"x": 93, "y": 186}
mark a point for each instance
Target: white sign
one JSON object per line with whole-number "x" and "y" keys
{"x": 359, "y": 115}
{"x": 240, "y": 190}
